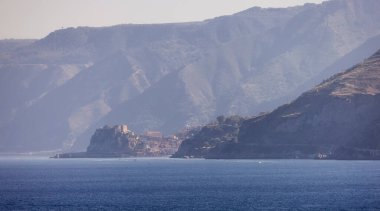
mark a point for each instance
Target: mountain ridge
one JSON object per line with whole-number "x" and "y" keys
{"x": 337, "y": 119}
{"x": 75, "y": 80}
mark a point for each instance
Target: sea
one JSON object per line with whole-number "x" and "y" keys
{"x": 40, "y": 183}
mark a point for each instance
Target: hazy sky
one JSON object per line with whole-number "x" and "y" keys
{"x": 37, "y": 18}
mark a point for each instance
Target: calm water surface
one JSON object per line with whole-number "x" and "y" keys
{"x": 175, "y": 184}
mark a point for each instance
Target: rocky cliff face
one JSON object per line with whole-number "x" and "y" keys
{"x": 56, "y": 91}
{"x": 114, "y": 140}
{"x": 337, "y": 119}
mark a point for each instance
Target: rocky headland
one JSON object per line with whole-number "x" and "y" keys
{"x": 118, "y": 141}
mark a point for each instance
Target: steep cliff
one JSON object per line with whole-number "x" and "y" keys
{"x": 114, "y": 140}
{"x": 338, "y": 119}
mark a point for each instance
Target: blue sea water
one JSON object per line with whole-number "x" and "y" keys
{"x": 188, "y": 184}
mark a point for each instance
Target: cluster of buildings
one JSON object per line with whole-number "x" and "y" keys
{"x": 156, "y": 144}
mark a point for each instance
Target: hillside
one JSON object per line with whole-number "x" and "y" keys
{"x": 164, "y": 77}
{"x": 338, "y": 119}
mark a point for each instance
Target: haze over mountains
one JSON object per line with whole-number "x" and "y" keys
{"x": 338, "y": 119}
{"x": 56, "y": 91}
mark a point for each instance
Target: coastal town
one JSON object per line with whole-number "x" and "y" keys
{"x": 120, "y": 141}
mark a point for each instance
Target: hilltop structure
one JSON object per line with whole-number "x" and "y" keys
{"x": 118, "y": 141}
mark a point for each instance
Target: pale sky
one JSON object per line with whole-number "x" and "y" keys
{"x": 25, "y": 19}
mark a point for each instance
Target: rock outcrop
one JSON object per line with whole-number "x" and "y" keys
{"x": 114, "y": 140}
{"x": 338, "y": 119}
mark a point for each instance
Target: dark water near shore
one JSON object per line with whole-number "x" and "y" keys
{"x": 171, "y": 184}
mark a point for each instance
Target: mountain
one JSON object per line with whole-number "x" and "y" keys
{"x": 338, "y": 119}
{"x": 59, "y": 89}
